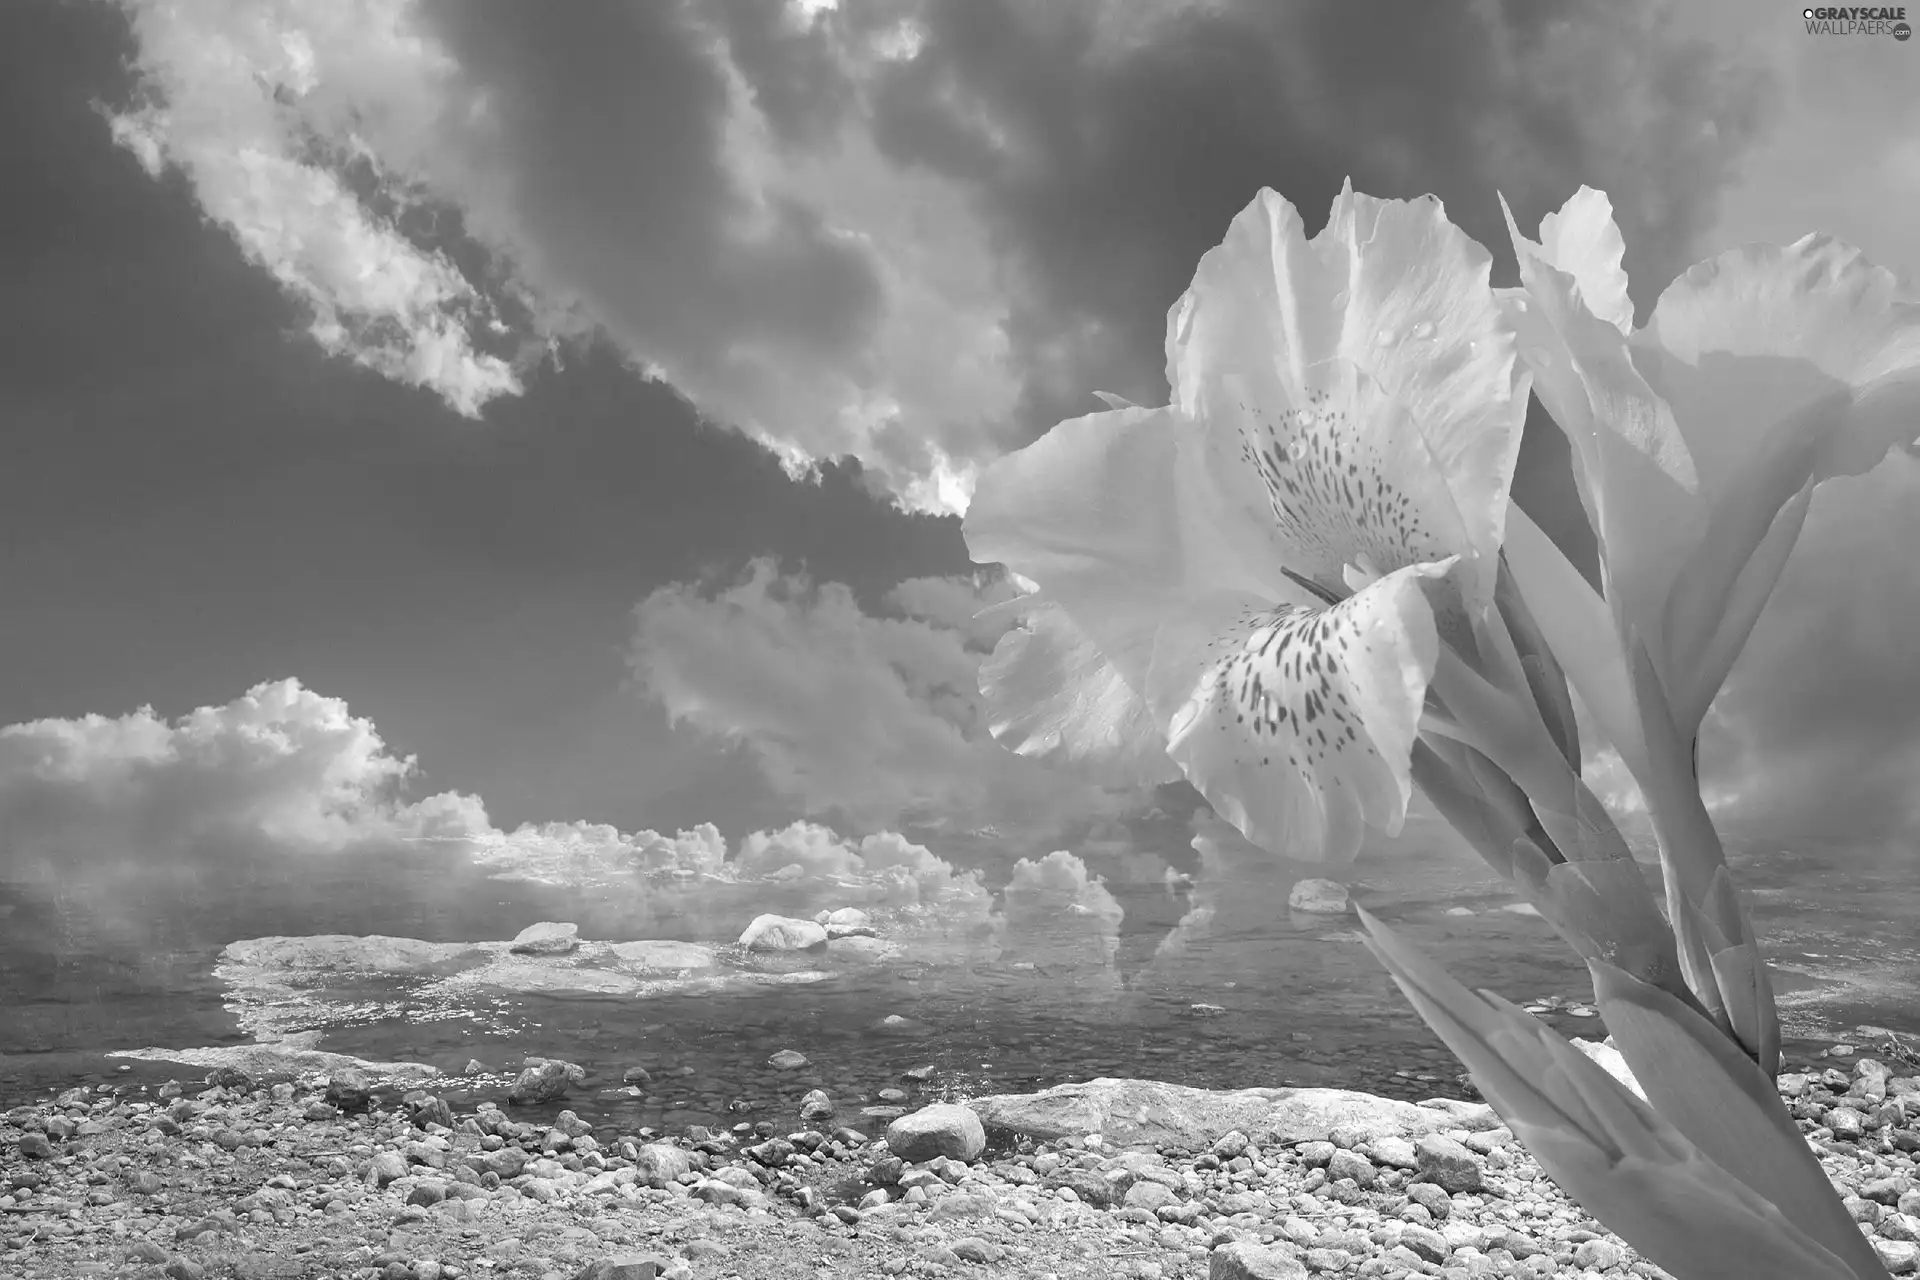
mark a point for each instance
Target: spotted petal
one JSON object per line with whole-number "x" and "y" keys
{"x": 1297, "y": 723}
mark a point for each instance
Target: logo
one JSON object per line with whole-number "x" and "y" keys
{"x": 1858, "y": 20}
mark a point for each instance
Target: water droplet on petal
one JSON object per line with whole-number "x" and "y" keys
{"x": 1341, "y": 299}
{"x": 1298, "y": 449}
{"x": 1384, "y": 338}
{"x": 1422, "y": 331}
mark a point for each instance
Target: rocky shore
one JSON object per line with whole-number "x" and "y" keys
{"x": 348, "y": 1177}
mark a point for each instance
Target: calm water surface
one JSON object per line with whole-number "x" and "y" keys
{"x": 1008, "y": 986}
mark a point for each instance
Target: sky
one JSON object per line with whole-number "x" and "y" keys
{"x": 426, "y": 417}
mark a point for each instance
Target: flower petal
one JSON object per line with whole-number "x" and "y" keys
{"x": 1051, "y": 696}
{"x": 1640, "y": 484}
{"x": 1582, "y": 240}
{"x": 1607, "y": 1149}
{"x": 1088, "y": 512}
{"x": 1358, "y": 393}
{"x": 1785, "y": 367}
{"x": 1297, "y": 723}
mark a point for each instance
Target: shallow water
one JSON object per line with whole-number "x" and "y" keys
{"x": 1013, "y": 986}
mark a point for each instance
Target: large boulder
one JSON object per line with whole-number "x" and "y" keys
{"x": 943, "y": 1129}
{"x": 783, "y": 933}
{"x": 1149, "y": 1113}
{"x": 546, "y": 939}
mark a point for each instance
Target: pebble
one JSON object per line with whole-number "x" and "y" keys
{"x": 943, "y": 1129}
{"x": 398, "y": 1192}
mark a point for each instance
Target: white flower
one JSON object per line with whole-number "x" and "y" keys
{"x": 1263, "y": 561}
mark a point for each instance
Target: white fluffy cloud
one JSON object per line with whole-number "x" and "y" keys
{"x": 286, "y": 774}
{"x": 1043, "y": 890}
{"x": 281, "y": 765}
{"x": 876, "y": 718}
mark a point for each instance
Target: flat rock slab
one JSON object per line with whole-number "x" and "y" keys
{"x": 1148, "y": 1113}
{"x": 268, "y": 1061}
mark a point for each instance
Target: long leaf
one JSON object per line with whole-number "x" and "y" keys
{"x": 1706, "y": 917}
{"x": 1727, "y": 1107}
{"x": 1545, "y": 677}
{"x": 1751, "y": 591}
{"x": 1579, "y": 630}
{"x": 1608, "y": 1150}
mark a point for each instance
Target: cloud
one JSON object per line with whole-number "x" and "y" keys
{"x": 1109, "y": 146}
{"x": 281, "y": 767}
{"x": 1054, "y": 912}
{"x": 445, "y": 184}
{"x": 909, "y": 872}
{"x": 219, "y": 88}
{"x": 876, "y": 719}
{"x": 912, "y": 232}
{"x": 583, "y": 854}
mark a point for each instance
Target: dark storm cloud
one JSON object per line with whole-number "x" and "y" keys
{"x": 1109, "y": 152}
{"x": 912, "y": 233}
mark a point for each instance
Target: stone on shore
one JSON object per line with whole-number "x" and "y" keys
{"x": 341, "y": 952}
{"x": 546, "y": 939}
{"x": 659, "y": 1163}
{"x": 1320, "y": 897}
{"x": 280, "y": 1059}
{"x": 860, "y": 948}
{"x": 662, "y": 956}
{"x": 1148, "y": 1113}
{"x": 943, "y": 1129}
{"x": 544, "y": 1080}
{"x": 782, "y": 933}
{"x": 1448, "y": 1164}
{"x": 847, "y": 922}
{"x": 1246, "y": 1260}
{"x": 624, "y": 1266}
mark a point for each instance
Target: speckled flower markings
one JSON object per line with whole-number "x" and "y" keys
{"x": 1280, "y": 675}
{"x": 1327, "y": 485}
